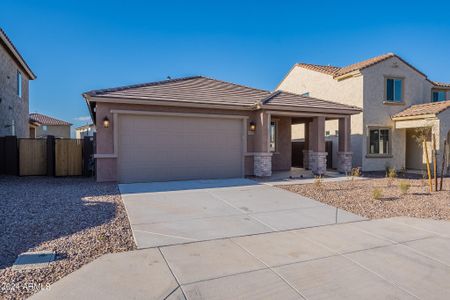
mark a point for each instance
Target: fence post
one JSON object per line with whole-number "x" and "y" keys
{"x": 50, "y": 155}
{"x": 11, "y": 156}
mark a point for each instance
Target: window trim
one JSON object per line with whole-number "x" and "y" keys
{"x": 402, "y": 100}
{"x": 438, "y": 90}
{"x": 374, "y": 155}
{"x": 19, "y": 88}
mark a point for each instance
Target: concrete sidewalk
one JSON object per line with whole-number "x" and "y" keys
{"x": 398, "y": 258}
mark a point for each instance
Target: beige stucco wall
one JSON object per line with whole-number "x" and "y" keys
{"x": 378, "y": 114}
{"x": 12, "y": 107}
{"x": 57, "y": 131}
{"x": 323, "y": 86}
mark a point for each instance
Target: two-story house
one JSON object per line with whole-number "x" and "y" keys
{"x": 14, "y": 93}
{"x": 397, "y": 99}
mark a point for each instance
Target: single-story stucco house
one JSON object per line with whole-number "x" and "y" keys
{"x": 202, "y": 128}
{"x": 42, "y": 126}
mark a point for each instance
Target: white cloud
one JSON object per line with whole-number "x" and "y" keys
{"x": 83, "y": 119}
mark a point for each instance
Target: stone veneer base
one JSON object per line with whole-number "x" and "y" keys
{"x": 318, "y": 162}
{"x": 262, "y": 164}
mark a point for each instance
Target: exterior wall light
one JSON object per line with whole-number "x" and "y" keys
{"x": 106, "y": 122}
{"x": 252, "y": 126}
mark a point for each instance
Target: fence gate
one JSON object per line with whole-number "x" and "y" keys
{"x": 68, "y": 157}
{"x": 33, "y": 157}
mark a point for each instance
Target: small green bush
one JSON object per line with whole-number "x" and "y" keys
{"x": 404, "y": 186}
{"x": 377, "y": 193}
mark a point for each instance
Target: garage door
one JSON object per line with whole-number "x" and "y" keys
{"x": 163, "y": 148}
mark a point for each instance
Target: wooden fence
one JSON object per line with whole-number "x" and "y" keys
{"x": 46, "y": 157}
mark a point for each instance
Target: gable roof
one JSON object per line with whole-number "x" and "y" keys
{"x": 433, "y": 108}
{"x": 9, "y": 46}
{"x": 341, "y": 71}
{"x": 208, "y": 91}
{"x": 441, "y": 84}
{"x": 46, "y": 120}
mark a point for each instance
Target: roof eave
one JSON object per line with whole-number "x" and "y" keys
{"x": 349, "y": 111}
{"x": 17, "y": 55}
{"x": 414, "y": 117}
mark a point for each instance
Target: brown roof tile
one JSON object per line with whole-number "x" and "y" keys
{"x": 196, "y": 89}
{"x": 441, "y": 84}
{"x": 46, "y": 120}
{"x": 424, "y": 109}
{"x": 286, "y": 99}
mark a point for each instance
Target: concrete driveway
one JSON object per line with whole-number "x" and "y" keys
{"x": 399, "y": 258}
{"x": 187, "y": 211}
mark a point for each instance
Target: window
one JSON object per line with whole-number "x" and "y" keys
{"x": 438, "y": 96}
{"x": 44, "y": 127}
{"x": 305, "y": 94}
{"x": 19, "y": 84}
{"x": 273, "y": 136}
{"x": 379, "y": 141}
{"x": 394, "y": 90}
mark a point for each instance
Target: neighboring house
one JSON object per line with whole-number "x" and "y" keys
{"x": 42, "y": 126}
{"x": 14, "y": 92}
{"x": 201, "y": 128}
{"x": 85, "y": 130}
{"x": 396, "y": 99}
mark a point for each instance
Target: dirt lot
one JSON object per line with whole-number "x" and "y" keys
{"x": 76, "y": 217}
{"x": 358, "y": 197}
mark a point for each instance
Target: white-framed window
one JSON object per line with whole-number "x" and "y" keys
{"x": 394, "y": 89}
{"x": 438, "y": 96}
{"x": 19, "y": 84}
{"x": 44, "y": 128}
{"x": 273, "y": 136}
{"x": 379, "y": 141}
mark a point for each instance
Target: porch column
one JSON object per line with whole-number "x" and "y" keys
{"x": 318, "y": 156}
{"x": 345, "y": 148}
{"x": 262, "y": 158}
{"x": 307, "y": 147}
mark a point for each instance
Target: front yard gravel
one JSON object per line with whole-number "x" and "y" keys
{"x": 77, "y": 218}
{"x": 357, "y": 197}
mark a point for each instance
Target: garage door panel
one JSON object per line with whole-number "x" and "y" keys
{"x": 161, "y": 148}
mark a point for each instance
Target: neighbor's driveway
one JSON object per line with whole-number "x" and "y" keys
{"x": 186, "y": 211}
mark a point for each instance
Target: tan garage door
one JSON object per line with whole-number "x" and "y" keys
{"x": 163, "y": 148}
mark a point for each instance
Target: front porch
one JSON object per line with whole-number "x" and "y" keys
{"x": 273, "y": 153}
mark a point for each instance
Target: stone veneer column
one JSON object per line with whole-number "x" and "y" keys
{"x": 262, "y": 158}
{"x": 318, "y": 156}
{"x": 344, "y": 153}
{"x": 318, "y": 162}
{"x": 344, "y": 162}
{"x": 262, "y": 164}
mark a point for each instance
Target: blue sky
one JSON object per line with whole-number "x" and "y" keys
{"x": 76, "y": 46}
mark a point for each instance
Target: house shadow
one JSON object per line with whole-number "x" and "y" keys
{"x": 36, "y": 210}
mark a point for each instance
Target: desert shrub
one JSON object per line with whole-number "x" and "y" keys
{"x": 391, "y": 174}
{"x": 377, "y": 193}
{"x": 318, "y": 182}
{"x": 356, "y": 172}
{"x": 404, "y": 186}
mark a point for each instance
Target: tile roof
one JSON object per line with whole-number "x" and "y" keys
{"x": 10, "y": 46}
{"x": 340, "y": 71}
{"x": 196, "y": 89}
{"x": 46, "y": 120}
{"x": 424, "y": 109}
{"x": 282, "y": 98}
{"x": 203, "y": 90}
{"x": 441, "y": 84}
{"x": 330, "y": 70}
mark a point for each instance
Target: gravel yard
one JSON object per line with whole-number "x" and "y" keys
{"x": 77, "y": 218}
{"x": 358, "y": 197}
